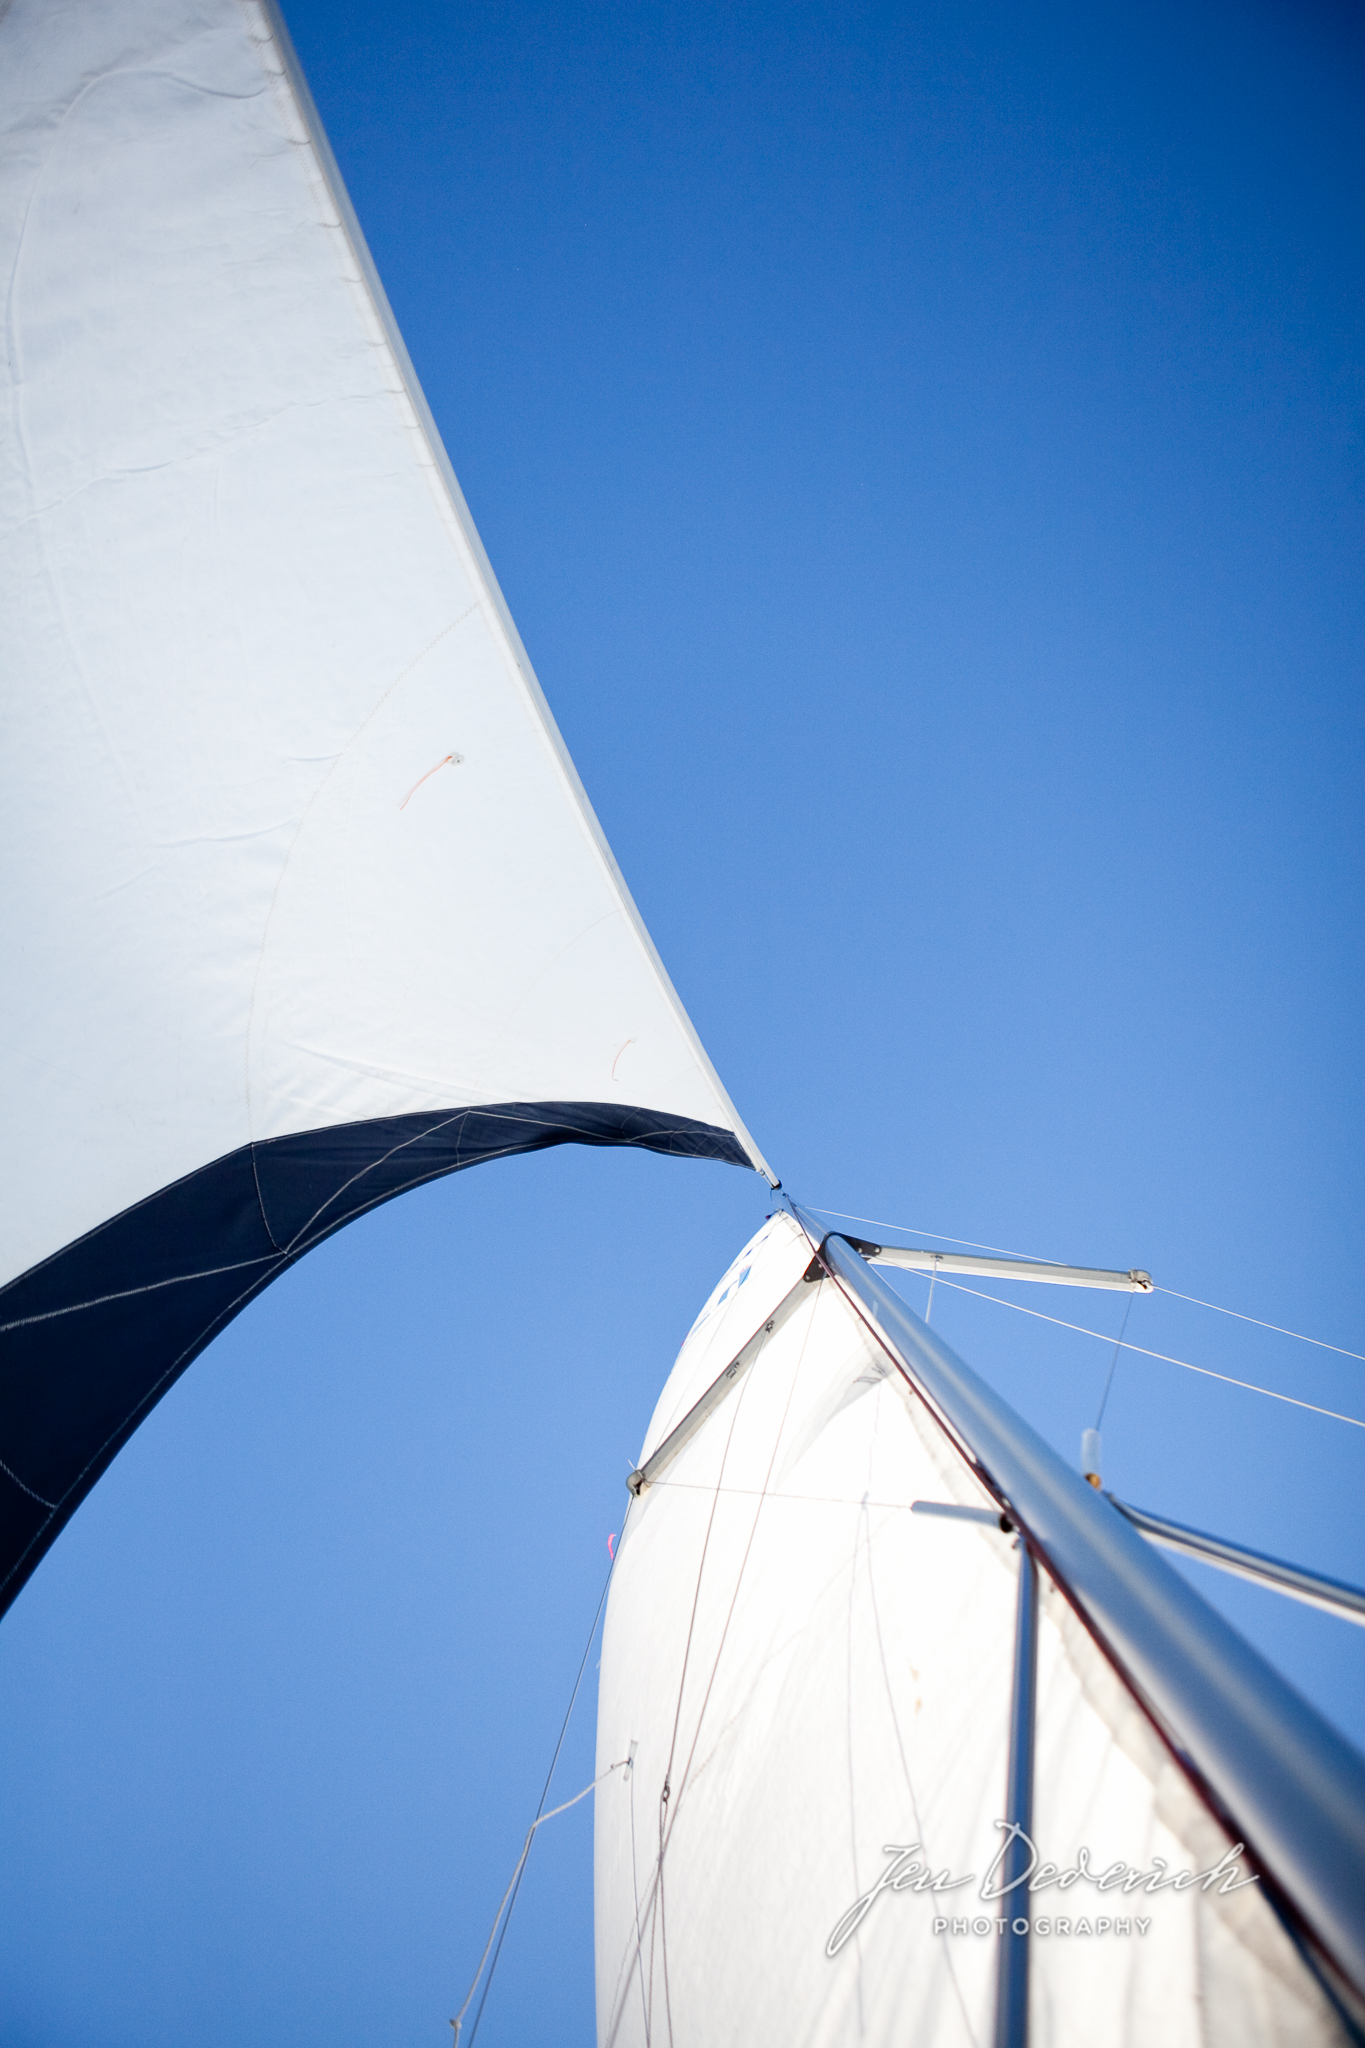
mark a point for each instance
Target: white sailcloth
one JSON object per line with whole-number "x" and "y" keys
{"x": 293, "y": 845}
{"x": 806, "y": 1689}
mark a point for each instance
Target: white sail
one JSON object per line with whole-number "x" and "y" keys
{"x": 805, "y": 1687}
{"x": 306, "y": 901}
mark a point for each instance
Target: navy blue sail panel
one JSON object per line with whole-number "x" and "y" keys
{"x": 92, "y": 1338}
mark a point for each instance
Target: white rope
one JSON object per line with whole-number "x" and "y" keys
{"x": 1165, "y": 1356}
{"x": 458, "y": 2021}
{"x": 509, "y": 1899}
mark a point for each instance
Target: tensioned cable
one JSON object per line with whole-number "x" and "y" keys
{"x": 1205, "y": 1371}
{"x": 1004, "y": 1252}
{"x": 1109, "y": 1376}
{"x": 510, "y": 1896}
{"x": 910, "y": 1231}
{"x": 1277, "y": 1327}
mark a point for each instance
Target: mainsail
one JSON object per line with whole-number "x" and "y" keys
{"x": 306, "y": 902}
{"x": 809, "y": 1710}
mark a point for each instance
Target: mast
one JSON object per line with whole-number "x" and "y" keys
{"x": 1288, "y": 1785}
{"x": 926, "y": 1742}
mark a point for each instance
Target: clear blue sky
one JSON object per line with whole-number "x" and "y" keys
{"x": 924, "y": 450}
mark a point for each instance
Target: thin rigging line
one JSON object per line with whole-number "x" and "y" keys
{"x": 515, "y": 1885}
{"x": 827, "y": 1500}
{"x": 909, "y": 1230}
{"x": 1164, "y": 1356}
{"x": 539, "y": 1821}
{"x": 1109, "y": 1376}
{"x": 1277, "y": 1327}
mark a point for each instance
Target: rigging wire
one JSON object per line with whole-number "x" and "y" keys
{"x": 1109, "y": 1376}
{"x": 1205, "y": 1371}
{"x": 510, "y": 1896}
{"x": 1004, "y": 1252}
{"x": 1277, "y": 1327}
{"x": 937, "y": 1235}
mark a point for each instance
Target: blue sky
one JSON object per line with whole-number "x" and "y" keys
{"x": 924, "y": 451}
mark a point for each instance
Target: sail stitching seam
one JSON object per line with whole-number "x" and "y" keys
{"x": 443, "y": 1123}
{"x": 649, "y": 1139}
{"x": 196, "y": 1344}
{"x": 336, "y": 762}
{"x": 295, "y": 1248}
{"x": 72, "y": 1308}
{"x": 10, "y": 1473}
{"x": 260, "y": 1200}
{"x": 146, "y": 1400}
